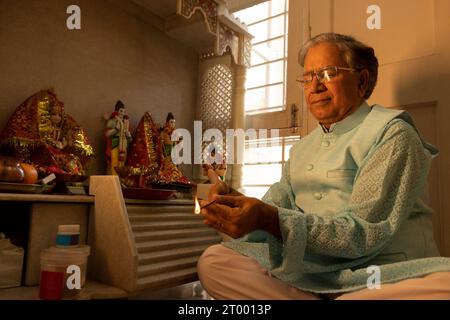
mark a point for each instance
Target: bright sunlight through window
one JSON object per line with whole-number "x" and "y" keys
{"x": 263, "y": 163}
{"x": 266, "y": 78}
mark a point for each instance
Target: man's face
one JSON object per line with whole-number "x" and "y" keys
{"x": 332, "y": 101}
{"x": 122, "y": 112}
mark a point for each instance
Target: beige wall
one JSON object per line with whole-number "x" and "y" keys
{"x": 115, "y": 56}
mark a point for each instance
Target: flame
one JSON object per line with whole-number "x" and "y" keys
{"x": 197, "y": 206}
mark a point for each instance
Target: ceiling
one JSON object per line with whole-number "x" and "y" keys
{"x": 162, "y": 8}
{"x": 167, "y": 8}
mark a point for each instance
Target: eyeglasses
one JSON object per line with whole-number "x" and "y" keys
{"x": 323, "y": 75}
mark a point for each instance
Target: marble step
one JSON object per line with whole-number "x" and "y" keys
{"x": 165, "y": 225}
{"x": 169, "y": 279}
{"x": 136, "y": 209}
{"x": 151, "y": 257}
{"x": 172, "y": 234}
{"x": 166, "y": 266}
{"x": 152, "y": 246}
{"x": 164, "y": 217}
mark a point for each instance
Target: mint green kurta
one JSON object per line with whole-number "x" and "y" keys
{"x": 361, "y": 187}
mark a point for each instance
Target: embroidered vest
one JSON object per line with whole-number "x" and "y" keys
{"x": 323, "y": 167}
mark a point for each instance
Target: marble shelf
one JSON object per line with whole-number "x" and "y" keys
{"x": 91, "y": 291}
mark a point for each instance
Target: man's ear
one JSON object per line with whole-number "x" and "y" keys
{"x": 363, "y": 82}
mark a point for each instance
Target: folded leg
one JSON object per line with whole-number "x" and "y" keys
{"x": 226, "y": 274}
{"x": 435, "y": 286}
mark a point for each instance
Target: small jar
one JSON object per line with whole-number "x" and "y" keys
{"x": 68, "y": 235}
{"x": 55, "y": 262}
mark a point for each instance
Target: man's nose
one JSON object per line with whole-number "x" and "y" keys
{"x": 317, "y": 86}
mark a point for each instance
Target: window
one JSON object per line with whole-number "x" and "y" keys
{"x": 266, "y": 78}
{"x": 266, "y": 92}
{"x": 263, "y": 163}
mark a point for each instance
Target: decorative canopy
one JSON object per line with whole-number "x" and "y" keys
{"x": 229, "y": 32}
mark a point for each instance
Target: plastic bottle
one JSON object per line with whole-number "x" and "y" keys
{"x": 55, "y": 263}
{"x": 68, "y": 235}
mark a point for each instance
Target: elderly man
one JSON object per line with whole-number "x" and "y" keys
{"x": 347, "y": 215}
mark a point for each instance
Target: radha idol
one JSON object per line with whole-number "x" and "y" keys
{"x": 42, "y": 133}
{"x": 169, "y": 173}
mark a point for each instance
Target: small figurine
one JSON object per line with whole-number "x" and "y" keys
{"x": 169, "y": 172}
{"x": 216, "y": 162}
{"x": 166, "y": 135}
{"x": 118, "y": 137}
{"x": 149, "y": 158}
{"x": 56, "y": 136}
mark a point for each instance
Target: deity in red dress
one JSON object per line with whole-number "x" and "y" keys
{"x": 42, "y": 133}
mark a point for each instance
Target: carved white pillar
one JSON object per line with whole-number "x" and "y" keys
{"x": 238, "y": 119}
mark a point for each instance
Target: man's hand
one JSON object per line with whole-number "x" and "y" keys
{"x": 235, "y": 214}
{"x": 219, "y": 187}
{"x": 239, "y": 215}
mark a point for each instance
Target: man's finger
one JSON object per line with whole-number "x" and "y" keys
{"x": 231, "y": 201}
{"x": 222, "y": 187}
{"x": 212, "y": 219}
{"x": 212, "y": 176}
{"x": 218, "y": 188}
{"x": 218, "y": 210}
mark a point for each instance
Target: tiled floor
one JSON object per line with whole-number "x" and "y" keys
{"x": 190, "y": 291}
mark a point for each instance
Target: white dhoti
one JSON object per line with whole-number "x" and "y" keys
{"x": 226, "y": 274}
